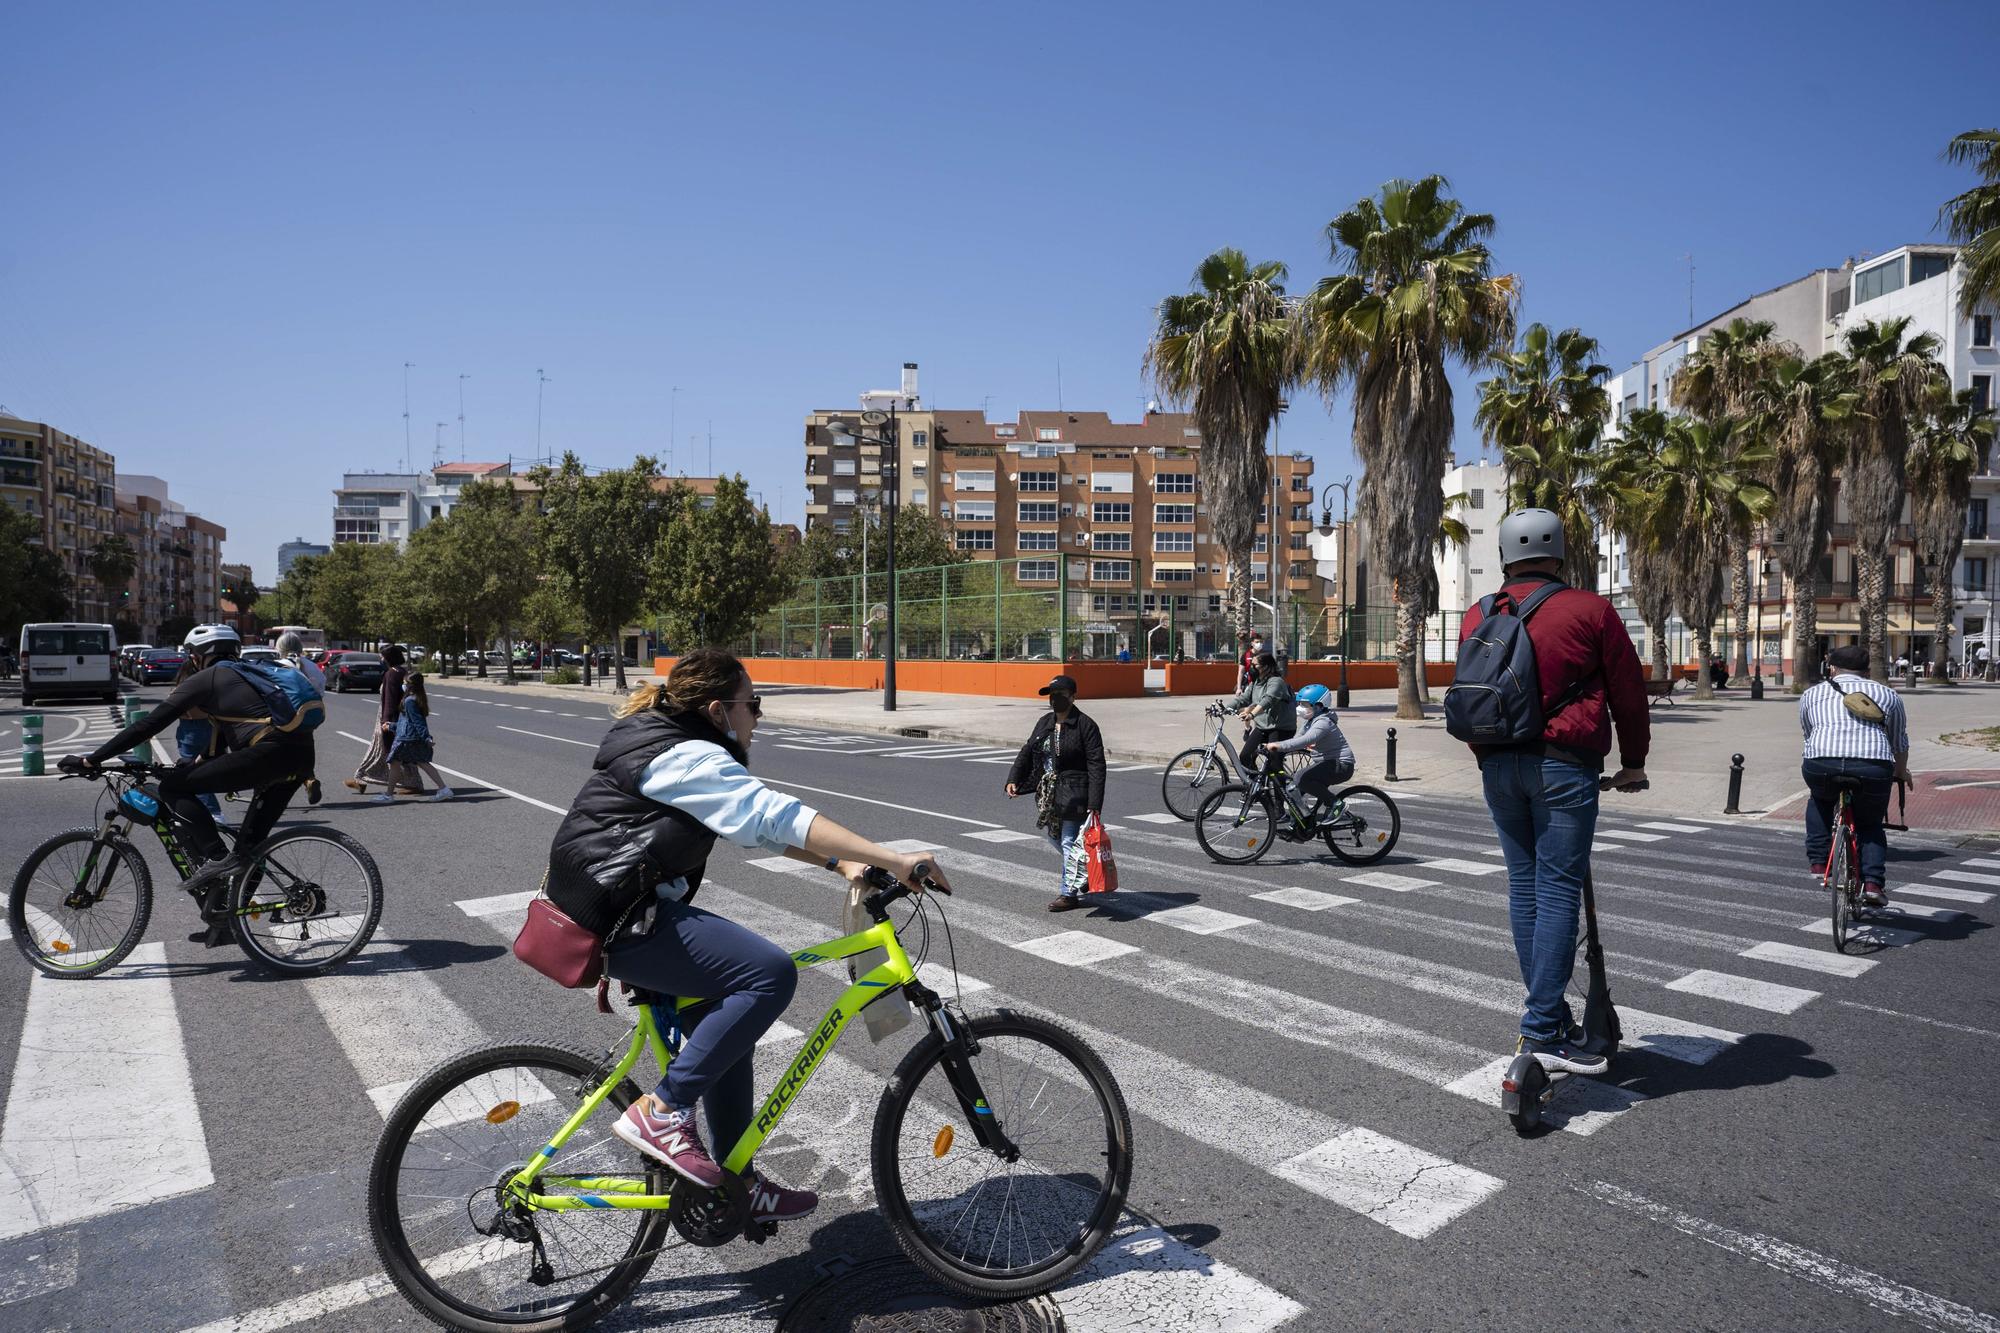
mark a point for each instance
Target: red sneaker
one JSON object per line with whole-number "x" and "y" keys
{"x": 670, "y": 1138}
{"x": 1874, "y": 895}
{"x": 774, "y": 1203}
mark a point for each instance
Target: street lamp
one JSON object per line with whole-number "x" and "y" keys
{"x": 843, "y": 434}
{"x": 1757, "y": 666}
{"x": 1326, "y": 529}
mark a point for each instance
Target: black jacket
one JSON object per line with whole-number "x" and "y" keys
{"x": 616, "y": 844}
{"x": 1079, "y": 764}
{"x": 219, "y": 693}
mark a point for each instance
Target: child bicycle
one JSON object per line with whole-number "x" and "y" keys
{"x": 1237, "y": 824}
{"x": 307, "y": 899}
{"x": 500, "y": 1199}
{"x": 1192, "y": 774}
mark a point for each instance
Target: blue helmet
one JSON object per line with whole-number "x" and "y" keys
{"x": 1314, "y": 695}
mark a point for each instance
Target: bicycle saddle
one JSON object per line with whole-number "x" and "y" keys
{"x": 1845, "y": 782}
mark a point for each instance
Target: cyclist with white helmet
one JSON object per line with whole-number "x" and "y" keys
{"x": 248, "y": 750}
{"x": 1319, "y": 732}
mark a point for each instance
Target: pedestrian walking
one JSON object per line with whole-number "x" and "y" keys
{"x": 1854, "y": 728}
{"x": 1266, "y": 708}
{"x": 1981, "y": 661}
{"x": 375, "y": 764}
{"x": 1062, "y": 763}
{"x": 411, "y": 752}
{"x": 194, "y": 736}
{"x": 292, "y": 652}
{"x": 1542, "y": 789}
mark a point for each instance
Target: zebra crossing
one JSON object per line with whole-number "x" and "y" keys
{"x": 67, "y": 729}
{"x": 875, "y": 746}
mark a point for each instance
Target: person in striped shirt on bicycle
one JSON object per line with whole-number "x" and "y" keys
{"x": 1845, "y": 737}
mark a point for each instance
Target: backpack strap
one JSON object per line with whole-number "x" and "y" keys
{"x": 1533, "y": 601}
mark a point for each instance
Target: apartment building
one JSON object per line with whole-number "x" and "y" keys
{"x": 69, "y": 488}
{"x": 177, "y": 571}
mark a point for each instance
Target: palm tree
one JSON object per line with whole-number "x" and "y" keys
{"x": 1718, "y": 379}
{"x": 1797, "y": 404}
{"x": 1950, "y": 440}
{"x": 1546, "y": 410}
{"x": 1891, "y": 378}
{"x": 1417, "y": 288}
{"x": 1973, "y": 218}
{"x": 1630, "y": 476}
{"x": 1229, "y": 348}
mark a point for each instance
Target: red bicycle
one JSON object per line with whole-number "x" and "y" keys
{"x": 1842, "y": 875}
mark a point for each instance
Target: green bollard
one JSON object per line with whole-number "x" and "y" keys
{"x": 142, "y": 753}
{"x": 31, "y": 746}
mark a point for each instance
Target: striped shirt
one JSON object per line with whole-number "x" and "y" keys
{"x": 1834, "y": 733}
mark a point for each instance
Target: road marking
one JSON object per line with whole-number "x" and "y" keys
{"x": 1309, "y": 900}
{"x": 1140, "y": 1276}
{"x": 869, "y": 800}
{"x": 1580, "y": 1106}
{"x": 1156, "y": 817}
{"x": 1464, "y": 867}
{"x": 1868, "y": 932}
{"x": 477, "y": 782}
{"x": 1919, "y": 1018}
{"x": 1598, "y": 845}
{"x": 1406, "y": 1189}
{"x": 1199, "y": 920}
{"x": 65, "y": 1156}
{"x": 392, "y": 1025}
{"x": 347, "y": 1295}
{"x": 1923, "y": 912}
{"x": 1674, "y": 828}
{"x": 505, "y": 902}
{"x": 1074, "y": 948}
{"x": 1984, "y": 864}
{"x": 1768, "y": 995}
{"x": 1945, "y": 892}
{"x": 1675, "y": 1038}
{"x": 910, "y": 846}
{"x": 1006, "y": 835}
{"x": 1817, "y": 960}
{"x": 543, "y": 735}
{"x": 1871, "y": 1288}
{"x": 783, "y": 865}
{"x": 1965, "y": 877}
{"x": 1130, "y": 768}
{"x": 1630, "y": 835}
{"x": 1382, "y": 879}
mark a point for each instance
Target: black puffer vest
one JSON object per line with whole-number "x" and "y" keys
{"x": 615, "y": 844}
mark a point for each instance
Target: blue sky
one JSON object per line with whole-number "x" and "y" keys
{"x": 230, "y": 225}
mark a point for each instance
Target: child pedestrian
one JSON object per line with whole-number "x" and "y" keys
{"x": 411, "y": 752}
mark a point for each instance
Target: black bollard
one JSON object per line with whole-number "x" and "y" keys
{"x": 1389, "y": 773}
{"x": 1735, "y": 785}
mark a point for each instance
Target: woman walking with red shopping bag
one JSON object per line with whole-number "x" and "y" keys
{"x": 1063, "y": 765}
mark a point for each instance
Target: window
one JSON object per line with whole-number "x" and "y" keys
{"x": 1174, "y": 483}
{"x": 918, "y": 469}
{"x": 973, "y": 539}
{"x": 1036, "y": 571}
{"x": 1111, "y": 571}
{"x": 1924, "y": 267}
{"x": 1982, "y": 330}
{"x": 1111, "y": 511}
{"x": 1173, "y": 513}
{"x": 1048, "y": 434}
{"x": 974, "y": 481}
{"x": 1975, "y": 519}
{"x": 1259, "y": 572}
{"x": 1173, "y": 574}
{"x": 1004, "y": 432}
{"x": 1299, "y": 542}
{"x": 844, "y": 497}
{"x": 1262, "y": 544}
{"x": 1110, "y": 541}
{"x": 1037, "y": 481}
{"x": 1982, "y": 392}
{"x": 1975, "y": 573}
{"x": 1302, "y": 484}
{"x": 843, "y": 467}
{"x": 1037, "y": 541}
{"x": 1476, "y": 498}
{"x": 920, "y": 439}
{"x": 1035, "y": 511}
{"x": 1173, "y": 541}
{"x": 1301, "y": 513}
{"x": 979, "y": 511}
{"x": 1111, "y": 483}
{"x": 1870, "y": 283}
{"x": 917, "y": 496}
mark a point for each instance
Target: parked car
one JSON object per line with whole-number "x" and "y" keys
{"x": 159, "y": 666}
{"x": 68, "y": 658}
{"x": 355, "y": 671}
{"x": 256, "y": 654}
{"x": 128, "y": 656}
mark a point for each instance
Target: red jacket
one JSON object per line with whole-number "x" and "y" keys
{"x": 1578, "y": 634}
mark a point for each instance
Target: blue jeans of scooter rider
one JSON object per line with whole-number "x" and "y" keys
{"x": 1545, "y": 811}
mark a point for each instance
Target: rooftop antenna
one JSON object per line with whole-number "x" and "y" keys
{"x": 540, "y": 380}
{"x": 437, "y": 447}
{"x": 985, "y": 403}
{"x": 408, "y": 366}
{"x": 461, "y": 416}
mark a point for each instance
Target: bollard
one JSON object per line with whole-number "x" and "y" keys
{"x": 1735, "y": 785}
{"x": 31, "y": 746}
{"x": 1389, "y": 773}
{"x": 142, "y": 753}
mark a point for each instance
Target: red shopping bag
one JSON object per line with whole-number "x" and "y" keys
{"x": 1097, "y": 855}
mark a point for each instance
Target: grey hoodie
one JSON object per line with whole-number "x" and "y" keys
{"x": 1323, "y": 737}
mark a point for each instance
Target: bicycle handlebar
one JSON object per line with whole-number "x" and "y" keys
{"x": 72, "y": 766}
{"x": 889, "y": 889}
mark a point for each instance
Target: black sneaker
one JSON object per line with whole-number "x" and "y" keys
{"x": 1567, "y": 1056}
{"x": 215, "y": 872}
{"x": 313, "y": 792}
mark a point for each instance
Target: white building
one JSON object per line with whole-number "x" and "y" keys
{"x": 371, "y": 507}
{"x": 1467, "y": 573}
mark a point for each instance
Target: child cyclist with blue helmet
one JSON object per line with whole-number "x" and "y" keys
{"x": 1333, "y": 762}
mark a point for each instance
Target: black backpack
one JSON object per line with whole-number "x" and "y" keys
{"x": 1496, "y": 694}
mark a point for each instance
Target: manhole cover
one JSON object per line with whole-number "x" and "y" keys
{"x": 889, "y": 1295}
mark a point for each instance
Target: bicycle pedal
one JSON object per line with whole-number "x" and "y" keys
{"x": 759, "y": 1232}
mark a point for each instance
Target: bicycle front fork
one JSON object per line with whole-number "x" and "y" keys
{"x": 959, "y": 1048}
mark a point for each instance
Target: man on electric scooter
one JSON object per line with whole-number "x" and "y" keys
{"x": 1541, "y": 788}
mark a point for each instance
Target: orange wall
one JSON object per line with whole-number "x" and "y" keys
{"x": 1016, "y": 680}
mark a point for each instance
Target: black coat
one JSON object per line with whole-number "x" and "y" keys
{"x": 1079, "y": 764}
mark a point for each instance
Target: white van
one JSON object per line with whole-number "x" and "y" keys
{"x": 67, "y": 660}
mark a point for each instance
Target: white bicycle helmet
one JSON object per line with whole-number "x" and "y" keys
{"x": 204, "y": 639}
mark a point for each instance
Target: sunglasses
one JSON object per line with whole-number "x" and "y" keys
{"x": 755, "y": 703}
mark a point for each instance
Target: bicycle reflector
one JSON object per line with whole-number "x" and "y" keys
{"x": 942, "y": 1143}
{"x": 502, "y": 1113}
{"x": 60, "y": 946}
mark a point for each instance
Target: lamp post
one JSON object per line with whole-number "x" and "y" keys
{"x": 1757, "y": 666}
{"x": 891, "y": 484}
{"x": 1326, "y": 528}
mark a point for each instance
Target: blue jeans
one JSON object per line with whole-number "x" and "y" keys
{"x": 1545, "y": 811}
{"x": 1871, "y": 808}
{"x": 1072, "y": 829}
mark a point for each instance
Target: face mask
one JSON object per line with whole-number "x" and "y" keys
{"x": 1060, "y": 702}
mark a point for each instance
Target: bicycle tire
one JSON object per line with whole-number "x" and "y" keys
{"x": 1234, "y": 846}
{"x": 982, "y": 1280}
{"x": 1189, "y": 776}
{"x": 17, "y": 905}
{"x": 385, "y": 1222}
{"x": 1838, "y": 879}
{"x": 1352, "y": 846}
{"x": 247, "y": 883}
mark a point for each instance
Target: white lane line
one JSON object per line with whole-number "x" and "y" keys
{"x": 1144, "y": 1277}
{"x": 1382, "y": 879}
{"x": 1129, "y": 768}
{"x": 1598, "y": 845}
{"x": 1406, "y": 1189}
{"x": 477, "y": 782}
{"x": 1074, "y": 948}
{"x": 869, "y": 800}
{"x": 1868, "y": 932}
{"x": 1156, "y": 817}
{"x": 782, "y": 865}
{"x": 1922, "y": 912}
{"x": 1945, "y": 892}
{"x": 1919, "y": 1018}
{"x": 1675, "y": 1038}
{"x": 1674, "y": 828}
{"x": 1872, "y": 1289}
{"x": 1580, "y": 1106}
{"x": 1631, "y": 836}
{"x": 1984, "y": 864}
{"x": 1464, "y": 867}
{"x": 68, "y": 1152}
{"x": 1965, "y": 877}
{"x": 1005, "y": 835}
{"x": 543, "y": 735}
{"x": 505, "y": 902}
{"x": 1766, "y": 995}
{"x": 1308, "y": 900}
{"x": 1199, "y": 920}
{"x": 392, "y": 1026}
{"x": 1816, "y": 960}
{"x": 907, "y": 845}
{"x": 568, "y": 714}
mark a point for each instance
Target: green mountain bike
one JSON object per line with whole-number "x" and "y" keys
{"x": 500, "y": 1199}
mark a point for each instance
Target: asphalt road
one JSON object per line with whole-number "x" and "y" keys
{"x": 1802, "y": 1141}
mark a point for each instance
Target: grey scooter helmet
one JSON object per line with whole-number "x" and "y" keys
{"x": 1530, "y": 534}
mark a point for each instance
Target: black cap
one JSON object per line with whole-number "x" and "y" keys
{"x": 1064, "y": 683}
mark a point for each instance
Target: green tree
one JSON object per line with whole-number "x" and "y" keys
{"x": 1973, "y": 217}
{"x": 1953, "y": 437}
{"x": 1228, "y": 350}
{"x": 921, "y": 542}
{"x": 437, "y": 595}
{"x": 346, "y": 589}
{"x": 599, "y": 532}
{"x": 549, "y": 615}
{"x": 1546, "y": 411}
{"x": 33, "y": 584}
{"x": 1417, "y": 290}
{"x": 1891, "y": 377}
{"x": 291, "y": 601}
{"x": 498, "y": 542}
{"x": 714, "y": 569}
{"x": 112, "y": 564}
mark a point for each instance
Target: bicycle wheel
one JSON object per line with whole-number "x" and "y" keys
{"x": 308, "y": 899}
{"x": 79, "y": 905}
{"x": 1190, "y": 775}
{"x": 1841, "y": 880}
{"x": 1236, "y": 824}
{"x": 1367, "y": 827}
{"x": 983, "y": 1225}
{"x": 433, "y": 1194}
